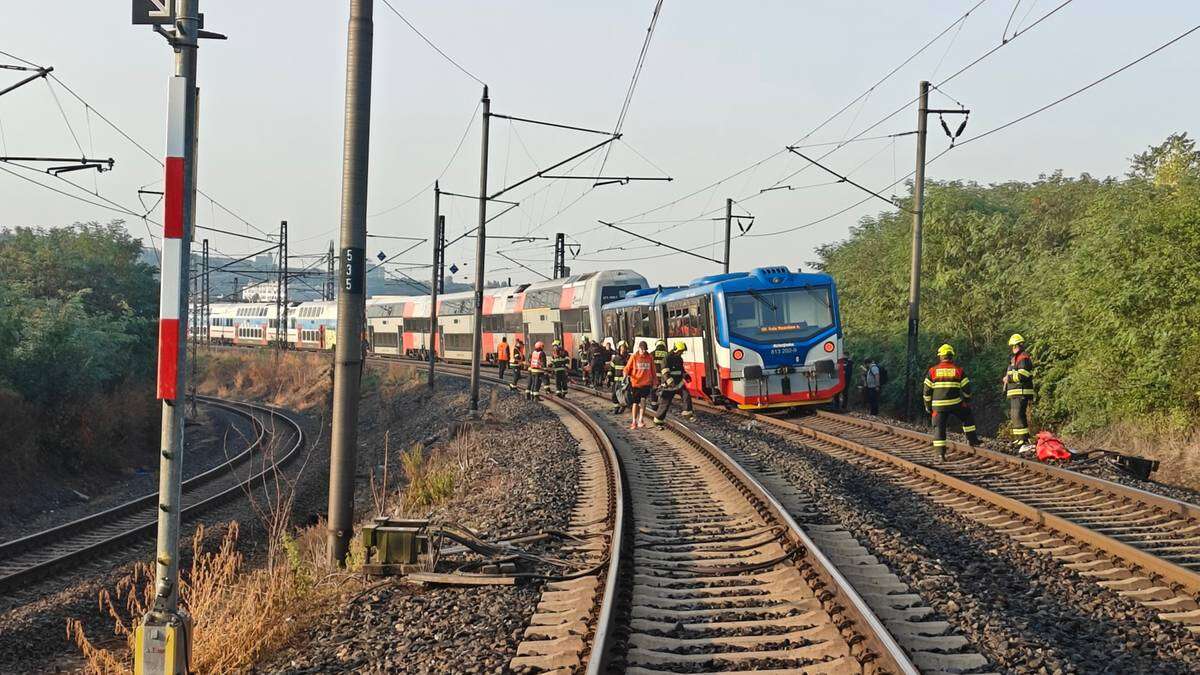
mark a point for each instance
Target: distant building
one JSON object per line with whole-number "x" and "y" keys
{"x": 263, "y": 291}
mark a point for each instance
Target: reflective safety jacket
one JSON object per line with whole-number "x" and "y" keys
{"x": 518, "y": 356}
{"x": 537, "y": 361}
{"x": 946, "y": 385}
{"x": 560, "y": 359}
{"x": 502, "y": 351}
{"x": 673, "y": 373}
{"x": 618, "y": 365}
{"x": 660, "y": 356}
{"x": 1018, "y": 381}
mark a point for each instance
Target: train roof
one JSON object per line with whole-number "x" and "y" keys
{"x": 643, "y": 297}
{"x": 756, "y": 279}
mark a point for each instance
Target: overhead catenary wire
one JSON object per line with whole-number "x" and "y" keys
{"x": 445, "y": 168}
{"x": 821, "y": 125}
{"x": 435, "y": 48}
{"x": 633, "y": 80}
{"x": 996, "y": 129}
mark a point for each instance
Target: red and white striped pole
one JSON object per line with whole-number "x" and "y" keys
{"x": 171, "y": 321}
{"x": 179, "y": 216}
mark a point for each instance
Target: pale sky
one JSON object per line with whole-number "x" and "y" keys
{"x": 724, "y": 85}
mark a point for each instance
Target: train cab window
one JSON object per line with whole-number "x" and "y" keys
{"x": 610, "y": 293}
{"x": 779, "y": 315}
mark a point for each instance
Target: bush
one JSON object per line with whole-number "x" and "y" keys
{"x": 1099, "y": 275}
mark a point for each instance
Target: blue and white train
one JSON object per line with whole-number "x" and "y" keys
{"x": 769, "y": 338}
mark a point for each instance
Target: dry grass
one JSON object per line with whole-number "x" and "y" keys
{"x": 1177, "y": 450}
{"x": 240, "y": 615}
{"x": 295, "y": 380}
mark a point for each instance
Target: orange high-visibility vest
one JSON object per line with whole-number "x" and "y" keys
{"x": 502, "y": 352}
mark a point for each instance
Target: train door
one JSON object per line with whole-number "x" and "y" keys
{"x": 709, "y": 335}
{"x": 371, "y": 336}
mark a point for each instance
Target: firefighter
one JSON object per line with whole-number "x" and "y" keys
{"x": 616, "y": 366}
{"x": 948, "y": 392}
{"x": 674, "y": 380}
{"x": 537, "y": 371}
{"x": 518, "y": 361}
{"x": 502, "y": 356}
{"x": 1018, "y": 387}
{"x": 640, "y": 371}
{"x": 559, "y": 360}
{"x": 600, "y": 356}
{"x": 660, "y": 359}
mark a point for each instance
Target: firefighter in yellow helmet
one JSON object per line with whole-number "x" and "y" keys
{"x": 674, "y": 378}
{"x": 1018, "y": 387}
{"x": 947, "y": 392}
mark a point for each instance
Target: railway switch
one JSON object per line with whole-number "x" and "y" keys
{"x": 395, "y": 546}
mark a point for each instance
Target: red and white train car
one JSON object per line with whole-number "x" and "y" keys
{"x": 564, "y": 309}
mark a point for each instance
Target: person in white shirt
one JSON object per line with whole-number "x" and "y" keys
{"x": 871, "y": 386}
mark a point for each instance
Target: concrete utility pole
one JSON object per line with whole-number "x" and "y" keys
{"x": 728, "y": 229}
{"x": 914, "y": 276}
{"x": 163, "y": 638}
{"x": 914, "y": 280}
{"x": 438, "y": 224}
{"x": 351, "y": 297}
{"x": 480, "y": 251}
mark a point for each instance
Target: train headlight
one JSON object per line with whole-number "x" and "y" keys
{"x": 829, "y": 347}
{"x": 738, "y": 354}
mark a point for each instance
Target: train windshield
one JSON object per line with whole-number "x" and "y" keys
{"x": 779, "y": 315}
{"x": 613, "y": 293}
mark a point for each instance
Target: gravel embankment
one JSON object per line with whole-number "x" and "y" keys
{"x": 211, "y": 438}
{"x": 524, "y": 480}
{"x": 1022, "y": 610}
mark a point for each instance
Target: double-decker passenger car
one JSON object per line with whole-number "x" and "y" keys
{"x": 313, "y": 325}
{"x": 564, "y": 309}
{"x": 768, "y": 338}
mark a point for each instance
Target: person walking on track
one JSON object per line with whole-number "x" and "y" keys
{"x": 947, "y": 392}
{"x": 537, "y": 372}
{"x": 617, "y": 367}
{"x": 1018, "y": 387}
{"x": 674, "y": 380}
{"x": 640, "y": 371}
{"x": 518, "y": 361}
{"x": 872, "y": 384}
{"x": 502, "y": 357}
{"x": 559, "y": 360}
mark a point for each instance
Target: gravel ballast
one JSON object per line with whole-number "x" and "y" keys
{"x": 212, "y": 436}
{"x": 1020, "y": 609}
{"x": 525, "y": 480}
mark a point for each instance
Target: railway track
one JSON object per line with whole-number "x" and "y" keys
{"x": 63, "y": 548}
{"x": 1141, "y": 545}
{"x": 708, "y": 572}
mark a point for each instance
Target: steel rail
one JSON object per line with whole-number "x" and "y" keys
{"x": 1187, "y": 579}
{"x": 874, "y": 643}
{"x": 878, "y": 639}
{"x": 79, "y": 529}
{"x": 598, "y": 655}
